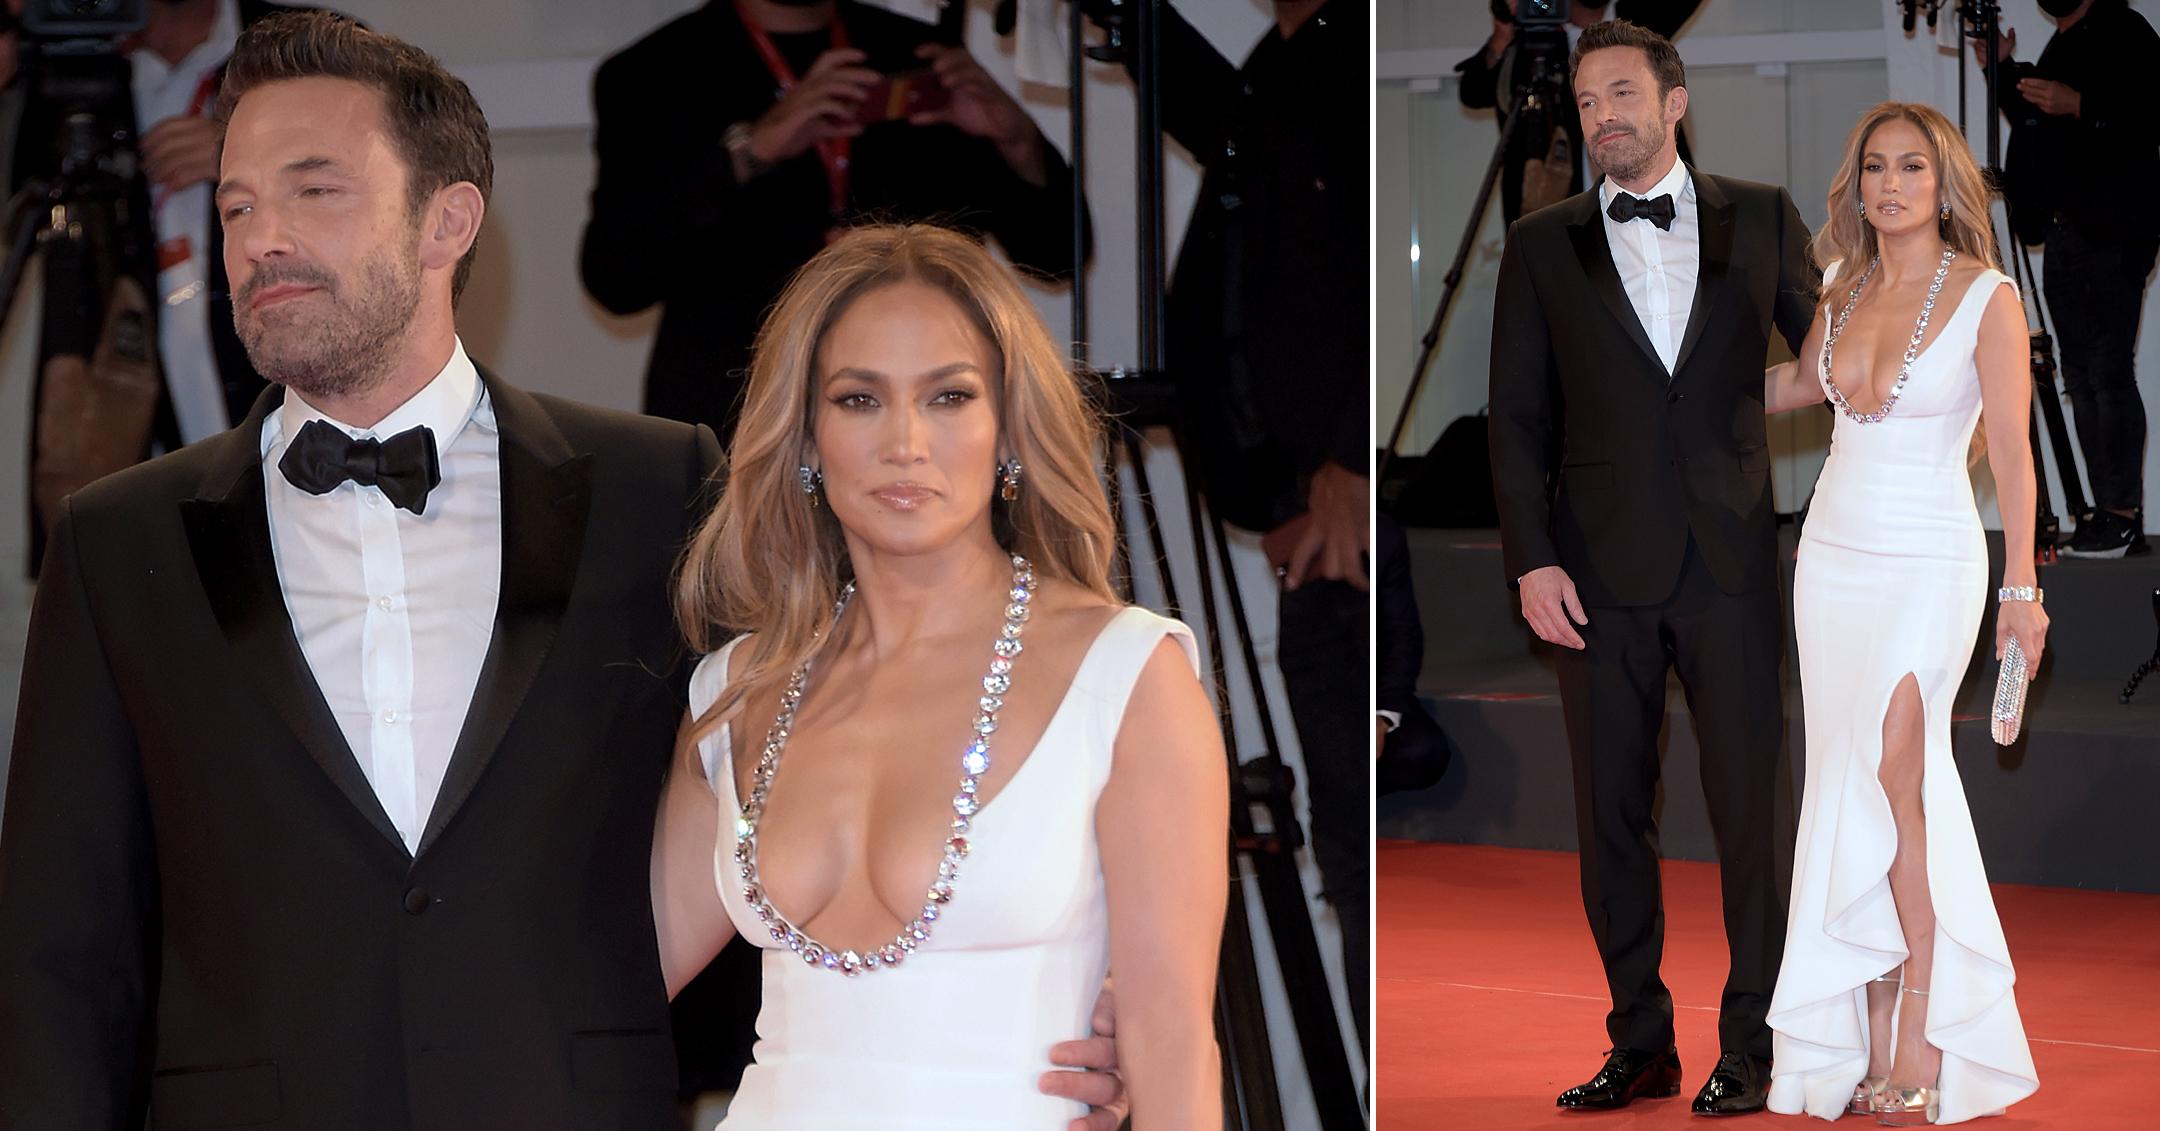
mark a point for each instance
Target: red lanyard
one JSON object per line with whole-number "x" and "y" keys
{"x": 204, "y": 91}
{"x": 833, "y": 152}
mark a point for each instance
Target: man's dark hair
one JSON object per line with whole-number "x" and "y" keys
{"x": 435, "y": 123}
{"x": 1664, "y": 57}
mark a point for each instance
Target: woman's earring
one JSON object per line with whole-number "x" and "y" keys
{"x": 1861, "y": 208}
{"x": 811, "y": 480}
{"x": 1946, "y": 211}
{"x": 1010, "y": 473}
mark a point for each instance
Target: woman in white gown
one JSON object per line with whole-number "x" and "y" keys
{"x": 942, "y": 841}
{"x": 1895, "y": 994}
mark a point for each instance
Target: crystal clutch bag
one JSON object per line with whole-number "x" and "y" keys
{"x": 2010, "y": 684}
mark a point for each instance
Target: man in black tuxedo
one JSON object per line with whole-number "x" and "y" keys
{"x": 1632, "y": 474}
{"x": 342, "y": 732}
{"x": 1487, "y": 80}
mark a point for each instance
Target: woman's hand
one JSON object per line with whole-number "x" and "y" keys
{"x": 2027, "y": 621}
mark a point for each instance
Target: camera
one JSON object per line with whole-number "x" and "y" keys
{"x": 83, "y": 19}
{"x": 1536, "y": 13}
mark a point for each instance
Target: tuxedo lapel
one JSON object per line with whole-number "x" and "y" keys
{"x": 546, "y": 493}
{"x": 1714, "y": 214}
{"x": 1588, "y": 233}
{"x": 228, "y": 531}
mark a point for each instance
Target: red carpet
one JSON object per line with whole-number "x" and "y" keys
{"x": 1491, "y": 1001}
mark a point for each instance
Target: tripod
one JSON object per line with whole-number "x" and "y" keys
{"x": 1981, "y": 22}
{"x": 1264, "y": 830}
{"x": 98, "y": 385}
{"x": 1541, "y": 51}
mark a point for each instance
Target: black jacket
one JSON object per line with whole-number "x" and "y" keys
{"x": 1603, "y": 465}
{"x": 671, "y": 226}
{"x": 203, "y": 908}
{"x": 1266, "y": 321}
{"x": 2094, "y": 171}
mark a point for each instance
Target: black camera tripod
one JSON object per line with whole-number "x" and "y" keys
{"x": 1540, "y": 87}
{"x": 1265, "y": 834}
{"x": 84, "y": 217}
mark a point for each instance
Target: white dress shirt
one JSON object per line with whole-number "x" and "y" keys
{"x": 166, "y": 90}
{"x": 394, "y": 610}
{"x": 1659, "y": 268}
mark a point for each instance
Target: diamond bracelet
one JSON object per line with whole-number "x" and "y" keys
{"x": 2020, "y": 593}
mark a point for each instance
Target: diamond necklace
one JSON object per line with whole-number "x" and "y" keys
{"x": 974, "y": 763}
{"x": 1912, "y": 348}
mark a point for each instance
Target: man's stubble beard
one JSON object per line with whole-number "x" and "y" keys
{"x": 1635, "y": 154}
{"x": 346, "y": 351}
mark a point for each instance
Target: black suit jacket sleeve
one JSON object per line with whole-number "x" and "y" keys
{"x": 1799, "y": 280}
{"x": 78, "y": 885}
{"x": 659, "y": 210}
{"x": 1199, "y": 88}
{"x": 1400, "y": 638}
{"x": 1522, "y": 431}
{"x": 1479, "y": 86}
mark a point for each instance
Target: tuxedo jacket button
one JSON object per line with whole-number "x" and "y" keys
{"x": 416, "y": 901}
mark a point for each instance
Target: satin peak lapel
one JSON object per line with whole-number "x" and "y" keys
{"x": 228, "y": 531}
{"x": 546, "y": 493}
{"x": 1588, "y": 234}
{"x": 1715, "y": 214}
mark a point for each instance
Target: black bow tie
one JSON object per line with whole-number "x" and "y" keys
{"x": 1658, "y": 209}
{"x": 403, "y": 467}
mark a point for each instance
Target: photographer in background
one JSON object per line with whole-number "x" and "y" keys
{"x": 175, "y": 63}
{"x": 1265, "y": 332}
{"x": 735, "y": 140}
{"x": 2084, "y": 153}
{"x": 1546, "y": 164}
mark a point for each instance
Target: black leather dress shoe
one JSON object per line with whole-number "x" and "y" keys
{"x": 1738, "y": 1085}
{"x": 1628, "y": 1075}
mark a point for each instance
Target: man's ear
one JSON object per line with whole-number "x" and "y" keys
{"x": 1676, "y": 105}
{"x": 452, "y": 224}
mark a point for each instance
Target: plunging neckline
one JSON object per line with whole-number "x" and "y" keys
{"x": 1925, "y": 350}
{"x": 732, "y": 803}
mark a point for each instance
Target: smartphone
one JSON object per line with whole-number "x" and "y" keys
{"x": 895, "y": 97}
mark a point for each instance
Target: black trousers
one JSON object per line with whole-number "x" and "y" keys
{"x": 1726, "y": 649}
{"x": 1323, "y": 652}
{"x": 2096, "y": 292}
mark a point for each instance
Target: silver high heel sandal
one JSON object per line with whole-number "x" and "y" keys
{"x": 1909, "y": 1105}
{"x": 1869, "y": 1089}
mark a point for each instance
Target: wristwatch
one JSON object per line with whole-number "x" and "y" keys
{"x": 2020, "y": 593}
{"x": 747, "y": 163}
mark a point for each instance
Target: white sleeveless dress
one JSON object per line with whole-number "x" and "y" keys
{"x": 957, "y": 1037}
{"x": 1893, "y": 578}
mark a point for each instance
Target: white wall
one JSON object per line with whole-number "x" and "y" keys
{"x": 1758, "y": 111}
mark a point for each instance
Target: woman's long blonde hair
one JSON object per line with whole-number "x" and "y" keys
{"x": 1849, "y": 240}
{"x": 766, "y": 561}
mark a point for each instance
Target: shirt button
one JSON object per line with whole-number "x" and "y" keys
{"x": 389, "y": 716}
{"x": 373, "y": 498}
{"x": 385, "y": 602}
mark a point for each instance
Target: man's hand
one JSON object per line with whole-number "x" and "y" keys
{"x": 179, "y": 152}
{"x": 1097, "y": 1084}
{"x": 2052, "y": 97}
{"x": 1503, "y": 34}
{"x": 818, "y": 108}
{"x": 981, "y": 108}
{"x": 1548, "y": 603}
{"x": 1333, "y": 543}
{"x": 2004, "y": 47}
